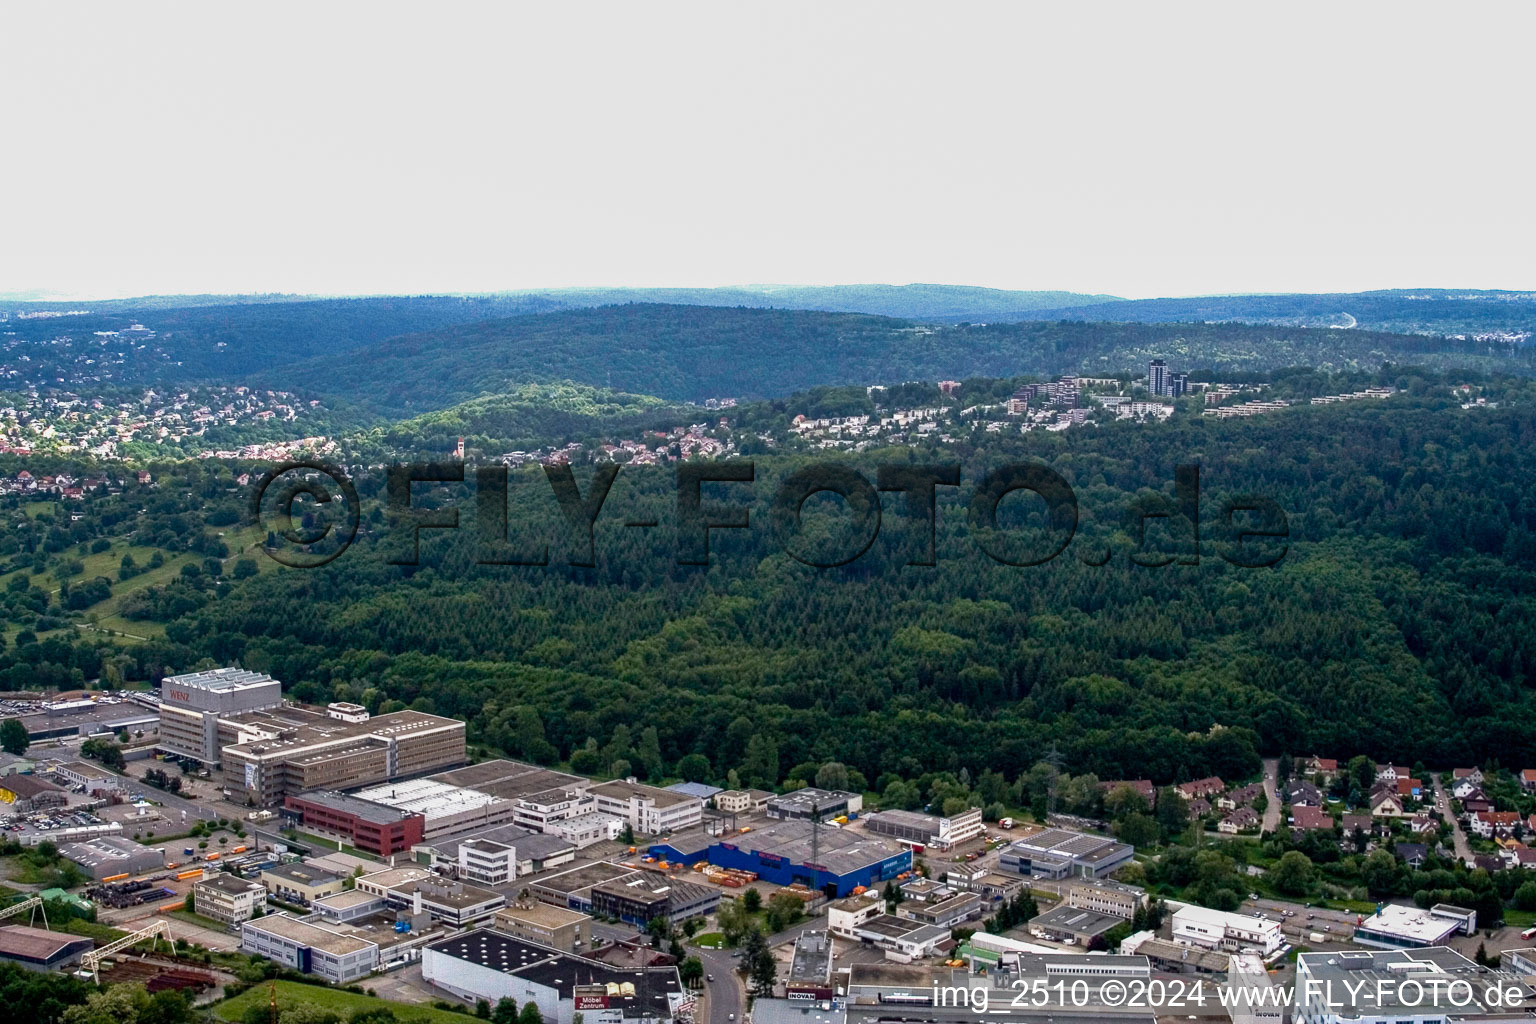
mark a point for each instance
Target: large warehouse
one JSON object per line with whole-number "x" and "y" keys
{"x": 785, "y": 852}
{"x": 1062, "y": 853}
{"x": 489, "y": 965}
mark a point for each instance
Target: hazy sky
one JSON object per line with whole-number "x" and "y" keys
{"x": 1140, "y": 149}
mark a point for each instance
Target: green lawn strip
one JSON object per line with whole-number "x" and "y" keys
{"x": 344, "y": 1004}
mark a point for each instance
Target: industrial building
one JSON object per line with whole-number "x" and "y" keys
{"x": 1106, "y": 896}
{"x": 647, "y": 809}
{"x": 742, "y": 801}
{"x": 1218, "y": 929}
{"x": 532, "y": 852}
{"x": 455, "y": 904}
{"x": 1399, "y": 927}
{"x": 371, "y": 827}
{"x": 228, "y": 898}
{"x": 641, "y": 899}
{"x": 192, "y": 705}
{"x": 927, "y": 830}
{"x": 1406, "y": 986}
{"x": 270, "y": 750}
{"x": 92, "y": 778}
{"x": 24, "y": 794}
{"x": 811, "y": 802}
{"x": 545, "y": 925}
{"x": 37, "y": 950}
{"x": 572, "y": 887}
{"x": 488, "y": 965}
{"x": 304, "y": 946}
{"x": 810, "y": 969}
{"x": 301, "y": 883}
{"x": 105, "y": 856}
{"x": 289, "y": 750}
{"x": 1061, "y": 853}
{"x": 1064, "y": 923}
{"x": 444, "y": 807}
{"x": 825, "y": 858}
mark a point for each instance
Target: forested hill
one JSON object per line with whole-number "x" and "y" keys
{"x": 939, "y": 302}
{"x": 688, "y": 353}
{"x": 1423, "y": 310}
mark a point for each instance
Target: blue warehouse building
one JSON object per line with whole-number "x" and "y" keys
{"x": 784, "y": 852}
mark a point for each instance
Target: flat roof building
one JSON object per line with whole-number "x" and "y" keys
{"x": 1404, "y": 986}
{"x": 647, "y": 809}
{"x": 484, "y": 964}
{"x": 1061, "y": 853}
{"x": 105, "y": 856}
{"x": 444, "y": 807}
{"x": 545, "y": 924}
{"x": 301, "y": 883}
{"x": 310, "y": 948}
{"x": 811, "y": 802}
{"x": 1218, "y": 929}
{"x": 810, "y": 969}
{"x": 644, "y": 897}
{"x": 227, "y": 898}
{"x": 371, "y": 827}
{"x": 827, "y": 859}
{"x": 927, "y": 830}
{"x": 192, "y": 704}
{"x": 1399, "y": 927}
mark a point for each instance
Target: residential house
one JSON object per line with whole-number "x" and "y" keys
{"x": 1243, "y": 796}
{"x": 1243, "y": 819}
{"x": 1391, "y": 773}
{"x": 1314, "y": 766}
{"x": 1473, "y": 774}
{"x": 1200, "y": 788}
{"x": 1491, "y": 823}
{"x": 1385, "y": 803}
{"x": 1310, "y": 819}
{"x": 1476, "y": 804}
{"x": 1463, "y": 788}
{"x": 1520, "y": 856}
{"x": 1363, "y": 822}
{"x": 1199, "y": 808}
{"x": 1412, "y": 854}
{"x": 1301, "y": 793}
{"x": 1423, "y": 824}
{"x": 1410, "y": 787}
{"x": 1528, "y": 779}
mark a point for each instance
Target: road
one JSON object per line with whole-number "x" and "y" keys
{"x": 1271, "y": 794}
{"x": 723, "y": 998}
{"x": 1458, "y": 837}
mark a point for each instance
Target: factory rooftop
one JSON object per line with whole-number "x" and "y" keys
{"x": 304, "y": 933}
{"x": 220, "y": 680}
{"x": 563, "y": 971}
{"x": 510, "y": 780}
{"x": 427, "y": 797}
{"x": 346, "y": 803}
{"x": 840, "y": 851}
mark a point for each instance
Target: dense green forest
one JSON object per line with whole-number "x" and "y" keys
{"x": 1397, "y": 623}
{"x": 689, "y": 353}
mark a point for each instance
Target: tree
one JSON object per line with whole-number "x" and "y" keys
{"x": 693, "y": 767}
{"x": 1294, "y": 874}
{"x": 759, "y": 963}
{"x": 483, "y": 1009}
{"x": 1525, "y": 896}
{"x": 752, "y": 900}
{"x": 832, "y": 775}
{"x": 691, "y": 971}
{"x": 13, "y": 737}
{"x": 1138, "y": 830}
{"x": 505, "y": 1012}
{"x": 784, "y": 910}
{"x": 530, "y": 1014}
